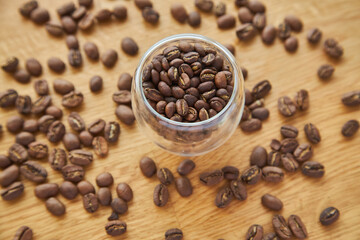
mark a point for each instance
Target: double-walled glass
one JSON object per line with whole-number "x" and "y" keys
{"x": 183, "y": 138}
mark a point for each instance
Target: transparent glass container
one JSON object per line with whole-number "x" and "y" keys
{"x": 184, "y": 138}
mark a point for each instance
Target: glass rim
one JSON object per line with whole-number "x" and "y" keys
{"x": 228, "y": 55}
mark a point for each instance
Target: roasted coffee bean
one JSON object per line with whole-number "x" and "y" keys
{"x": 125, "y": 114}
{"x": 220, "y": 80}
{"x": 69, "y": 25}
{"x": 12, "y": 192}
{"x": 113, "y": 216}
{"x": 87, "y": 22}
{"x": 9, "y": 175}
{"x": 57, "y": 159}
{"x": 256, "y": 6}
{"x": 23, "y": 104}
{"x": 245, "y": 32}
{"x": 246, "y": 114}
{"x": 68, "y": 190}
{"x": 100, "y": 146}
{"x": 10, "y": 65}
{"x": 72, "y": 42}
{"x": 22, "y": 76}
{"x": 85, "y": 3}
{"x": 14, "y": 124}
{"x": 251, "y": 125}
{"x": 286, "y": 106}
{"x": 184, "y": 81}
{"x": 275, "y": 144}
{"x": 45, "y": 122}
{"x": 203, "y": 114}
{"x": 268, "y": 34}
{"x": 191, "y": 58}
{"x": 332, "y": 48}
{"x": 274, "y": 159}
{"x": 185, "y": 46}
{"x": 56, "y": 64}
{"x": 312, "y": 133}
{"x": 288, "y": 131}
{"x": 39, "y": 15}
{"x": 283, "y": 31}
{"x": 238, "y": 190}
{"x": 211, "y": 178}
{"x": 245, "y": 15}
{"x": 280, "y": 226}
{"x": 325, "y": 71}
{"x": 112, "y": 131}
{"x": 129, "y": 46}
{"x": 104, "y": 196}
{"x": 161, "y": 195}
{"x": 313, "y": 169}
{"x": 66, "y": 9}
{"x": 104, "y": 179}
{"x": 329, "y": 215}
{"x": 74, "y": 57}
{"x": 79, "y": 13}
{"x": 350, "y": 128}
{"x": 40, "y": 105}
{"x": 33, "y": 171}
{"x": 33, "y": 67}
{"x": 261, "y": 89}
{"x": 241, "y": 3}
{"x": 255, "y": 231}
{"x": 30, "y": 126}
{"x": 165, "y": 176}
{"x": 204, "y": 5}
{"x": 148, "y": 167}
{"x": 185, "y": 167}
{"x": 291, "y": 44}
{"x": 80, "y": 157}
{"x": 97, "y": 126}
{"x": 223, "y": 197}
{"x": 182, "y": 107}
{"x": 257, "y": 104}
{"x": 85, "y": 187}
{"x": 150, "y": 15}
{"x": 314, "y": 35}
{"x": 152, "y": 94}
{"x": 56, "y": 132}
{"x": 271, "y": 236}
{"x": 124, "y": 96}
{"x": 303, "y": 152}
{"x": 297, "y": 227}
{"x": 192, "y": 115}
{"x": 54, "y": 28}
{"x": 260, "y": 113}
{"x": 226, "y": 21}
{"x": 23, "y": 233}
{"x": 258, "y": 157}
{"x": 55, "y": 206}
{"x": 109, "y": 58}
{"x": 91, "y": 51}
{"x": 259, "y": 21}
{"x": 272, "y": 174}
{"x": 183, "y": 186}
{"x": 174, "y": 234}
{"x": 124, "y": 192}
{"x": 141, "y": 4}
{"x": 76, "y": 122}
{"x": 220, "y": 9}
{"x": 41, "y": 87}
{"x": 4, "y": 161}
{"x": 194, "y": 19}
{"x": 8, "y": 98}
{"x": 289, "y": 145}
{"x": 63, "y": 87}
{"x": 124, "y": 82}
{"x": 86, "y": 138}
{"x": 27, "y": 8}
{"x": 120, "y": 12}
{"x": 301, "y": 100}
{"x": 294, "y": 23}
{"x": 38, "y": 150}
{"x": 96, "y": 83}
{"x": 46, "y": 190}
{"x": 72, "y": 99}
{"x": 178, "y": 12}
{"x": 351, "y": 98}
{"x": 289, "y": 163}
{"x": 18, "y": 154}
{"x": 90, "y": 202}
{"x": 171, "y": 53}
{"x": 73, "y": 173}
{"x": 271, "y": 202}
{"x": 230, "y": 172}
{"x": 251, "y": 175}
{"x": 103, "y": 15}
{"x": 115, "y": 228}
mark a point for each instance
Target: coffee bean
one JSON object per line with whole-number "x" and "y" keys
{"x": 314, "y": 35}
{"x": 30, "y": 126}
{"x": 68, "y": 190}
{"x": 255, "y": 231}
{"x": 120, "y": 12}
{"x": 329, "y": 215}
{"x": 272, "y": 174}
{"x": 97, "y": 126}
{"x": 183, "y": 186}
{"x": 286, "y": 106}
{"x": 40, "y": 105}
{"x": 332, "y": 48}
{"x": 230, "y": 172}
{"x": 103, "y": 15}
{"x": 46, "y": 190}
{"x": 80, "y": 157}
{"x": 261, "y": 89}
{"x": 73, "y": 173}
{"x": 104, "y": 179}
{"x": 291, "y": 44}
{"x": 56, "y": 64}
{"x": 10, "y": 65}
{"x": 63, "y": 87}
{"x": 256, "y": 6}
{"x": 54, "y": 28}
{"x": 312, "y": 133}
{"x": 194, "y": 19}
{"x": 39, "y": 15}
{"x": 129, "y": 46}
{"x": 238, "y": 190}
{"x": 4, "y": 161}
{"x": 259, "y": 21}
{"x": 23, "y": 104}
{"x": 86, "y": 138}
{"x": 18, "y": 154}
{"x": 14, "y": 124}
{"x": 297, "y": 227}
{"x": 141, "y": 4}
{"x": 124, "y": 96}
{"x": 301, "y": 100}
{"x": 289, "y": 145}
{"x": 96, "y": 83}
{"x": 33, "y": 67}
{"x": 350, "y": 128}
{"x": 258, "y": 157}
{"x": 288, "y": 131}
{"x": 271, "y": 236}
{"x": 174, "y": 234}
{"x": 281, "y": 227}
{"x": 245, "y": 15}
{"x": 23, "y": 233}
{"x": 74, "y": 57}
{"x": 113, "y": 216}
{"x": 283, "y": 31}
{"x": 115, "y": 228}
{"x": 66, "y": 9}
{"x": 12, "y": 192}
{"x": 351, "y": 98}
{"x": 325, "y": 71}
{"x": 275, "y": 144}
{"x": 148, "y": 167}
{"x": 303, "y": 152}
{"x": 274, "y": 159}
{"x": 119, "y": 206}
{"x": 251, "y": 125}
{"x": 245, "y": 32}
{"x": 257, "y": 104}
{"x": 91, "y": 51}
{"x": 220, "y": 9}
{"x": 8, "y": 98}
{"x": 125, "y": 114}
{"x": 72, "y": 42}
{"x": 38, "y": 150}
{"x": 28, "y": 7}
{"x": 223, "y": 197}
{"x": 112, "y": 131}
{"x": 268, "y": 34}
{"x": 73, "y": 99}
{"x": 150, "y": 15}
{"x": 57, "y": 159}
{"x": 85, "y": 187}
{"x": 165, "y": 176}
{"x": 45, "y": 122}
{"x": 124, "y": 82}
{"x": 226, "y": 21}
{"x": 294, "y": 23}
{"x": 251, "y": 175}
{"x": 178, "y": 12}
{"x": 289, "y": 163}
{"x": 90, "y": 202}
{"x": 76, "y": 122}
{"x": 109, "y": 58}
{"x": 79, "y": 13}
{"x": 33, "y": 171}
{"x": 56, "y": 132}
{"x": 69, "y": 25}
{"x": 241, "y": 3}
{"x": 204, "y": 5}
{"x": 9, "y": 175}
{"x": 55, "y": 206}
{"x": 271, "y": 202}
{"x": 41, "y": 87}
{"x": 85, "y": 3}
{"x": 313, "y": 169}
{"x": 124, "y": 192}
{"x": 211, "y": 178}
{"x": 100, "y": 146}
{"x": 104, "y": 196}
{"x": 260, "y": 113}
{"x": 22, "y": 76}
{"x": 87, "y": 22}
{"x": 161, "y": 195}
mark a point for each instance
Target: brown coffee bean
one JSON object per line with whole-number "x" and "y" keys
{"x": 124, "y": 192}
{"x": 76, "y": 122}
{"x": 261, "y": 89}
{"x": 68, "y": 190}
{"x": 301, "y": 100}
{"x": 85, "y": 3}
{"x": 297, "y": 227}
{"x": 238, "y": 190}
{"x": 332, "y": 48}
{"x": 204, "y": 5}
{"x": 286, "y": 106}
{"x": 41, "y": 87}
{"x": 255, "y": 231}
{"x": 312, "y": 133}
{"x": 91, "y": 51}
{"x": 289, "y": 145}
{"x": 73, "y": 173}
{"x": 24, "y": 138}
{"x": 256, "y": 6}
{"x": 55, "y": 206}
{"x": 303, "y": 152}
{"x": 14, "y": 124}
{"x": 268, "y": 34}
{"x": 211, "y": 178}
{"x": 63, "y": 87}
{"x": 245, "y": 15}
{"x": 350, "y": 128}
{"x": 258, "y": 157}
{"x": 183, "y": 186}
{"x": 226, "y": 21}
{"x": 8, "y": 98}
{"x": 79, "y": 13}
{"x": 288, "y": 131}
{"x": 72, "y": 42}
{"x": 271, "y": 202}
{"x": 90, "y": 202}
{"x": 56, "y": 64}
{"x": 230, "y": 172}
{"x": 124, "y": 96}
{"x": 150, "y": 15}
{"x": 100, "y": 146}
{"x": 33, "y": 171}
{"x": 165, "y": 176}
{"x": 23, "y": 104}
{"x": 272, "y": 174}
{"x": 141, "y": 4}
{"x": 223, "y": 197}
{"x": 314, "y": 35}
{"x": 104, "y": 196}
{"x": 80, "y": 157}
{"x": 10, "y": 65}
{"x": 112, "y": 131}
{"x": 39, "y": 15}
{"x": 57, "y": 159}
{"x": 4, "y": 161}
{"x": 12, "y": 192}
{"x": 46, "y": 190}
{"x": 351, "y": 98}
{"x": 194, "y": 19}
{"x": 281, "y": 227}
{"x": 129, "y": 46}
{"x": 69, "y": 25}
{"x": 30, "y": 126}
{"x": 54, "y": 28}
{"x": 313, "y": 169}
{"x": 104, "y": 179}
{"x": 125, "y": 114}
{"x": 22, "y": 76}
{"x": 87, "y": 22}
{"x": 23, "y": 233}
{"x": 38, "y": 150}
{"x": 275, "y": 145}
{"x": 66, "y": 9}
{"x": 28, "y": 7}
{"x": 283, "y": 31}
{"x": 120, "y": 12}
{"x": 274, "y": 159}
{"x": 124, "y": 82}
{"x": 251, "y": 125}
{"x": 75, "y": 58}
{"x": 294, "y": 23}
{"x": 251, "y": 175}
{"x": 220, "y": 9}
{"x": 109, "y": 58}
{"x": 259, "y": 21}
{"x": 9, "y": 175}
{"x": 85, "y": 187}
{"x": 325, "y": 71}
{"x": 56, "y": 132}
{"x": 147, "y": 167}
{"x": 103, "y": 15}
{"x": 289, "y": 163}
{"x": 257, "y": 104}
{"x": 329, "y": 215}
{"x": 291, "y": 44}
{"x": 245, "y": 32}
{"x": 97, "y": 126}
{"x": 178, "y": 12}
{"x": 161, "y": 195}
{"x": 18, "y": 154}
{"x": 33, "y": 67}
{"x": 260, "y": 113}
{"x": 174, "y": 234}
{"x": 40, "y": 105}
{"x": 73, "y": 99}
{"x": 86, "y": 138}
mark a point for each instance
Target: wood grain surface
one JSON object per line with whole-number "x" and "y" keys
{"x": 197, "y": 215}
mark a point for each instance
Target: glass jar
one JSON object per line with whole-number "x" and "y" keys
{"x": 184, "y": 138}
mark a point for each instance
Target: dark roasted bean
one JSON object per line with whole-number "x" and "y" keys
{"x": 68, "y": 190}
{"x": 259, "y": 21}
{"x": 69, "y": 25}
{"x": 104, "y": 196}
{"x": 55, "y": 206}
{"x": 223, "y": 197}
{"x": 100, "y": 146}
{"x": 40, "y": 105}
{"x": 125, "y": 114}
{"x": 230, "y": 172}
{"x": 103, "y": 15}
{"x": 185, "y": 167}
{"x": 57, "y": 159}
{"x": 76, "y": 122}
{"x": 245, "y": 32}
{"x": 183, "y": 186}
{"x": 124, "y": 192}
{"x": 261, "y": 89}
{"x": 120, "y": 12}
{"x": 63, "y": 86}
{"x": 33, "y": 171}
{"x": 147, "y": 167}
{"x": 109, "y": 58}
{"x": 303, "y": 152}
{"x": 56, "y": 64}
{"x": 302, "y": 100}
{"x": 115, "y": 228}
{"x": 129, "y": 46}
{"x": 178, "y": 12}
{"x": 97, "y": 126}
{"x": 351, "y": 98}
{"x": 211, "y": 178}
{"x": 297, "y": 227}
{"x": 72, "y": 42}
{"x": 22, "y": 76}
{"x": 104, "y": 179}
{"x": 9, "y": 175}
{"x": 238, "y": 189}
{"x": 245, "y": 15}
{"x": 30, "y": 125}
{"x": 87, "y": 22}
{"x": 12, "y": 192}
{"x": 14, "y": 124}
{"x": 73, "y": 173}
{"x": 33, "y": 67}
{"x": 39, "y": 15}
{"x": 313, "y": 169}
{"x": 38, "y": 150}
{"x": 251, "y": 125}
{"x": 72, "y": 99}
{"x": 268, "y": 34}
{"x": 165, "y": 176}
{"x": 226, "y": 21}
{"x": 291, "y": 44}
{"x": 260, "y": 113}
{"x": 161, "y": 195}
{"x": 4, "y": 161}
{"x": 294, "y": 23}
{"x": 332, "y": 48}
{"x": 350, "y": 128}
{"x": 281, "y": 227}
{"x": 74, "y": 57}
{"x": 10, "y": 65}
{"x": 274, "y": 159}
{"x": 41, "y": 87}
{"x": 80, "y": 157}
{"x": 204, "y": 5}
{"x": 91, "y": 51}
{"x": 90, "y": 202}
{"x": 8, "y": 98}
{"x": 329, "y": 215}
{"x": 289, "y": 145}
{"x": 258, "y": 157}
{"x": 85, "y": 187}
{"x": 289, "y": 163}
{"x": 23, "y": 233}
{"x": 284, "y": 31}
{"x": 272, "y": 174}
{"x": 56, "y": 132}
{"x": 288, "y": 131}
{"x": 251, "y": 175}
{"x": 54, "y": 28}
{"x": 257, "y": 104}
{"x": 23, "y": 104}
{"x": 18, "y": 154}
{"x": 275, "y": 144}
{"x": 255, "y": 231}
{"x": 150, "y": 15}
{"x": 286, "y": 106}
{"x": 314, "y": 35}
{"x": 174, "y": 234}
{"x": 312, "y": 133}
{"x": 66, "y": 9}
{"x": 271, "y": 202}
{"x": 28, "y": 7}
{"x": 79, "y": 13}
{"x": 325, "y": 71}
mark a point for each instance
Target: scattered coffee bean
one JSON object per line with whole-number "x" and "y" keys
{"x": 63, "y": 87}
{"x": 288, "y": 131}
{"x": 66, "y": 9}
{"x": 120, "y": 12}
{"x": 38, "y": 150}
{"x": 314, "y": 35}
{"x": 150, "y": 15}
{"x": 261, "y": 89}
{"x": 4, "y": 161}
{"x": 301, "y": 100}
{"x": 258, "y": 157}
{"x": 72, "y": 42}
{"x": 75, "y": 58}
{"x": 313, "y": 169}
{"x": 73, "y": 99}
{"x": 56, "y": 64}
{"x": 124, "y": 82}
{"x": 115, "y": 228}
{"x": 297, "y": 227}
{"x": 18, "y": 154}
{"x": 312, "y": 133}
{"x": 104, "y": 179}
{"x": 91, "y": 51}
{"x": 165, "y": 176}
{"x": 23, "y": 104}
{"x": 351, "y": 98}
{"x": 286, "y": 106}
{"x": 54, "y": 28}
{"x": 90, "y": 202}
{"x": 174, "y": 234}
{"x": 109, "y": 58}
{"x": 69, "y": 25}
{"x": 325, "y": 71}
{"x": 303, "y": 152}
{"x": 251, "y": 175}
{"x": 271, "y": 236}
{"x": 112, "y": 131}
{"x": 275, "y": 144}
{"x": 281, "y": 227}
{"x": 10, "y": 65}
{"x": 223, "y": 197}
{"x": 97, "y": 126}
{"x": 259, "y": 21}
{"x": 80, "y": 157}
{"x": 220, "y": 9}
{"x": 183, "y": 186}
{"x": 251, "y": 125}
{"x": 329, "y": 215}
{"x": 57, "y": 159}
{"x": 28, "y": 7}
{"x": 211, "y": 178}
{"x": 100, "y": 146}
{"x": 161, "y": 195}
{"x": 204, "y": 5}
{"x": 87, "y": 22}
{"x": 33, "y": 67}
{"x": 22, "y": 76}
{"x": 23, "y": 233}
{"x": 129, "y": 46}
{"x": 238, "y": 189}
{"x": 194, "y": 19}
{"x": 73, "y": 173}
{"x": 245, "y": 32}
{"x": 148, "y": 167}
{"x": 56, "y": 132}
{"x": 96, "y": 83}
{"x": 294, "y": 23}
{"x": 9, "y": 175}
{"x": 79, "y": 13}
{"x": 268, "y": 34}
{"x": 119, "y": 206}
{"x": 41, "y": 87}
{"x": 68, "y": 190}
{"x": 86, "y": 138}
{"x": 245, "y": 15}
{"x": 8, "y": 98}
{"x": 255, "y": 231}
{"x": 104, "y": 196}
{"x": 14, "y": 124}
{"x": 125, "y": 114}
{"x": 46, "y": 190}
{"x": 350, "y": 128}
{"x": 85, "y": 3}
{"x": 76, "y": 122}
{"x": 274, "y": 158}
{"x": 333, "y": 49}
{"x": 272, "y": 174}
{"x": 103, "y": 15}
{"x": 122, "y": 97}
{"x": 124, "y": 192}
{"x": 30, "y": 126}
{"x": 260, "y": 113}
{"x": 289, "y": 163}
{"x": 230, "y": 172}
{"x": 40, "y": 105}
{"x": 289, "y": 145}
{"x": 256, "y": 6}
{"x": 283, "y": 31}
{"x": 55, "y": 206}
{"x": 85, "y": 187}
{"x": 178, "y": 12}
{"x": 241, "y": 3}
{"x": 291, "y": 44}
{"x": 271, "y": 202}
{"x": 257, "y": 104}
{"x": 39, "y": 15}
{"x": 226, "y": 21}
{"x": 33, "y": 171}
{"x": 12, "y": 192}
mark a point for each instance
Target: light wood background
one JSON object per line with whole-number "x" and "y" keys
{"x": 196, "y": 215}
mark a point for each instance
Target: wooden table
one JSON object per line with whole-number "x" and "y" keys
{"x": 196, "y": 215}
